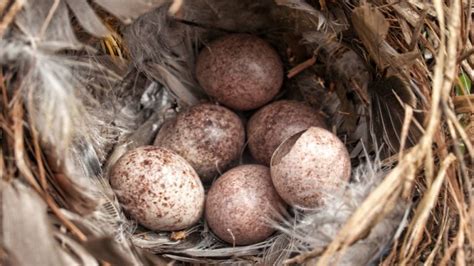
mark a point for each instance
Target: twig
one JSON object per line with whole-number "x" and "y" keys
{"x": 466, "y": 55}
{"x": 423, "y": 210}
{"x": 10, "y": 15}
{"x": 48, "y": 18}
{"x": 18, "y": 122}
{"x": 37, "y": 148}
{"x": 18, "y": 113}
{"x": 176, "y": 8}
{"x": 452, "y": 116}
{"x": 405, "y": 129}
{"x": 301, "y": 67}
{"x": 417, "y": 30}
{"x": 69, "y": 225}
{"x": 464, "y": 103}
{"x": 468, "y": 69}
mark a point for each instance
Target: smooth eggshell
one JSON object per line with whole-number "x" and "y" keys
{"x": 241, "y": 203}
{"x": 158, "y": 188}
{"x": 310, "y": 165}
{"x": 275, "y": 122}
{"x": 208, "y": 136}
{"x": 240, "y": 71}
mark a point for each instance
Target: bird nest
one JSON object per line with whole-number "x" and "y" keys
{"x": 82, "y": 82}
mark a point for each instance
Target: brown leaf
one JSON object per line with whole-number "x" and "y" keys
{"x": 372, "y": 28}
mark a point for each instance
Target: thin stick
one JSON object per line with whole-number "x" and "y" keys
{"x": 417, "y": 30}
{"x": 69, "y": 225}
{"x": 466, "y": 55}
{"x": 301, "y": 67}
{"x": 19, "y": 146}
{"x": 26, "y": 172}
{"x": 48, "y": 18}
{"x": 38, "y": 156}
{"x": 405, "y": 129}
{"x": 424, "y": 208}
{"x": 176, "y": 8}
{"x": 10, "y": 15}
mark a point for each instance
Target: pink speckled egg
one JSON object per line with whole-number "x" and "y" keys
{"x": 210, "y": 137}
{"x": 241, "y": 203}
{"x": 158, "y": 188}
{"x": 240, "y": 71}
{"x": 275, "y": 122}
{"x": 310, "y": 165}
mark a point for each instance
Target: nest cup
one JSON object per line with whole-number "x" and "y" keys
{"x": 345, "y": 60}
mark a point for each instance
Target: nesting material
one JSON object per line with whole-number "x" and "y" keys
{"x": 208, "y": 136}
{"x": 241, "y": 71}
{"x": 158, "y": 188}
{"x": 308, "y": 166}
{"x": 376, "y": 68}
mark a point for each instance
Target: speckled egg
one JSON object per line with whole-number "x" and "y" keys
{"x": 274, "y": 123}
{"x": 208, "y": 136}
{"x": 158, "y": 188}
{"x": 240, "y": 71}
{"x": 241, "y": 203}
{"x": 309, "y": 166}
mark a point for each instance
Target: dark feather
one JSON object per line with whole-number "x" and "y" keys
{"x": 389, "y": 96}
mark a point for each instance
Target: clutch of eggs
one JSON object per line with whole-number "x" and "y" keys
{"x": 161, "y": 186}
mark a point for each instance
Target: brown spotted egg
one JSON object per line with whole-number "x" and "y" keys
{"x": 309, "y": 166}
{"x": 241, "y": 204}
{"x": 240, "y": 71}
{"x": 210, "y": 137}
{"x": 275, "y": 122}
{"x": 158, "y": 188}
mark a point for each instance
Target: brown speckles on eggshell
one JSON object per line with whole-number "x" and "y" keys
{"x": 208, "y": 136}
{"x": 308, "y": 166}
{"x": 274, "y": 123}
{"x": 241, "y": 203}
{"x": 241, "y": 71}
{"x": 148, "y": 190}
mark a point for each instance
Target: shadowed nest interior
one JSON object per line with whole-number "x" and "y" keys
{"x": 82, "y": 82}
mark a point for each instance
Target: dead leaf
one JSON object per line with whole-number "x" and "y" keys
{"x": 372, "y": 28}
